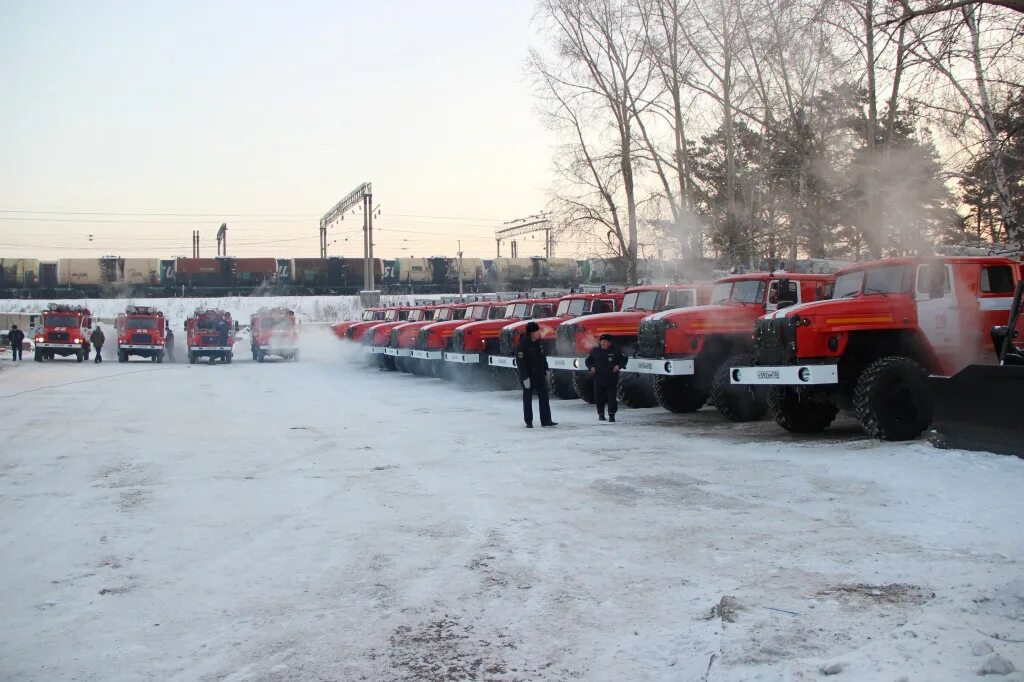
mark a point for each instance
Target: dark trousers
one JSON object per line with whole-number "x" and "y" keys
{"x": 16, "y": 352}
{"x": 99, "y": 350}
{"x": 541, "y": 389}
{"x": 606, "y": 394}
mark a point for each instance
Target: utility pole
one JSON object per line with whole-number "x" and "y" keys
{"x": 460, "y": 268}
{"x": 222, "y": 240}
{"x": 361, "y": 194}
{"x": 195, "y": 243}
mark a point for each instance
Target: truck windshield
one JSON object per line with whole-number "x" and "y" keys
{"x": 497, "y": 312}
{"x": 367, "y": 315}
{"x": 641, "y": 300}
{"x": 517, "y": 310}
{"x": 573, "y": 307}
{"x": 279, "y": 323}
{"x": 391, "y": 316}
{"x": 478, "y": 312}
{"x": 442, "y": 314}
{"x": 749, "y": 291}
{"x": 415, "y": 315}
{"x": 61, "y": 321}
{"x": 888, "y": 280}
{"x": 683, "y": 298}
{"x": 207, "y": 323}
{"x": 142, "y": 323}
{"x": 848, "y": 285}
{"x": 541, "y": 310}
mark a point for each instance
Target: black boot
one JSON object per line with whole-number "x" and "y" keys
{"x": 600, "y": 416}
{"x": 611, "y": 417}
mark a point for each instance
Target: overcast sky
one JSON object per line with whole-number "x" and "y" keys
{"x": 263, "y": 115}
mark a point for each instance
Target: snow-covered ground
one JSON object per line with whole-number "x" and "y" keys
{"x": 323, "y": 521}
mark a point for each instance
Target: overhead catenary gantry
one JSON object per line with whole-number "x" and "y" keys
{"x": 361, "y": 194}
{"x": 541, "y": 222}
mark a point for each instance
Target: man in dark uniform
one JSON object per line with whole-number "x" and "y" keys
{"x": 16, "y": 337}
{"x": 605, "y": 362}
{"x": 98, "y": 338}
{"x": 169, "y": 343}
{"x": 533, "y": 374}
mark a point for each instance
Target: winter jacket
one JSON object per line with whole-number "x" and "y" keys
{"x": 98, "y": 338}
{"x": 17, "y": 337}
{"x": 531, "y": 361}
{"x": 604, "y": 362}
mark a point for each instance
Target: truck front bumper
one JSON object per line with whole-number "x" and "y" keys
{"x": 199, "y": 350}
{"x": 502, "y": 361}
{"x": 463, "y": 358}
{"x": 135, "y": 346}
{"x": 567, "y": 363}
{"x": 785, "y": 375}
{"x": 49, "y": 345}
{"x": 398, "y": 352}
{"x": 428, "y": 354}
{"x": 375, "y": 350}
{"x": 669, "y": 367}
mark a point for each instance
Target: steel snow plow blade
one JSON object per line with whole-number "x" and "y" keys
{"x": 979, "y": 409}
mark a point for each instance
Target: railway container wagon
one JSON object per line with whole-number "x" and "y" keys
{"x": 167, "y": 273}
{"x": 512, "y": 269}
{"x": 85, "y": 272}
{"x": 202, "y": 272}
{"x": 561, "y": 271}
{"x": 19, "y": 272}
{"x": 472, "y": 272}
{"x": 252, "y": 272}
{"x": 354, "y": 269}
{"x": 309, "y": 272}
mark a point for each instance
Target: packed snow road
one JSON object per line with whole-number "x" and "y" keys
{"x": 323, "y": 521}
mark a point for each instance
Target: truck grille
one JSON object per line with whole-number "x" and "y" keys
{"x": 458, "y": 341}
{"x": 507, "y": 342}
{"x": 393, "y": 342}
{"x": 565, "y": 338}
{"x": 776, "y": 341}
{"x": 651, "y": 342}
{"x": 421, "y": 339}
{"x": 57, "y": 336}
{"x": 140, "y": 338}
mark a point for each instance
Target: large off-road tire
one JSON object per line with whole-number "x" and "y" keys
{"x": 191, "y": 358}
{"x": 799, "y": 416}
{"x": 228, "y": 357}
{"x": 79, "y": 356}
{"x": 122, "y": 356}
{"x": 561, "y": 386}
{"x": 678, "y": 394}
{"x": 637, "y": 391}
{"x": 295, "y": 356}
{"x": 505, "y": 379}
{"x": 261, "y": 356}
{"x": 583, "y": 383}
{"x": 737, "y": 403}
{"x": 38, "y": 355}
{"x": 891, "y": 399}
{"x": 255, "y": 355}
{"x": 160, "y": 356}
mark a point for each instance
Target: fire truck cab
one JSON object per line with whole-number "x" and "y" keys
{"x": 140, "y": 331}
{"x": 272, "y": 331}
{"x": 63, "y": 330}
{"x": 210, "y": 334}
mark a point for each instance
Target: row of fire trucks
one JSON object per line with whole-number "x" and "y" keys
{"x": 142, "y": 331}
{"x": 902, "y": 344}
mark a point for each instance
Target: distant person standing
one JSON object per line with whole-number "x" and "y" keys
{"x": 533, "y": 374}
{"x": 222, "y": 331}
{"x": 98, "y": 338}
{"x": 605, "y": 362}
{"x": 17, "y": 338}
{"x": 169, "y": 344}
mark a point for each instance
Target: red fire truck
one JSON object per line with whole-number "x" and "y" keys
{"x": 140, "y": 331}
{"x": 210, "y": 334}
{"x": 63, "y": 330}
{"x": 273, "y": 332}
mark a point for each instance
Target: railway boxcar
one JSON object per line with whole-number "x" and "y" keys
{"x": 167, "y": 273}
{"x": 309, "y": 272}
{"x": 48, "y": 274}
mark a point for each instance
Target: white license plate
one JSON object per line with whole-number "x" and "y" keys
{"x": 786, "y": 375}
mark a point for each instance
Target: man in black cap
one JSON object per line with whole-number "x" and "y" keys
{"x": 533, "y": 374}
{"x": 605, "y": 362}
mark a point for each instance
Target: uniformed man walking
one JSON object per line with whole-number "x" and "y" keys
{"x": 533, "y": 374}
{"x": 605, "y": 362}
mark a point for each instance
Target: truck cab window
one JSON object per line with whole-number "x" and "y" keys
{"x": 997, "y": 279}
